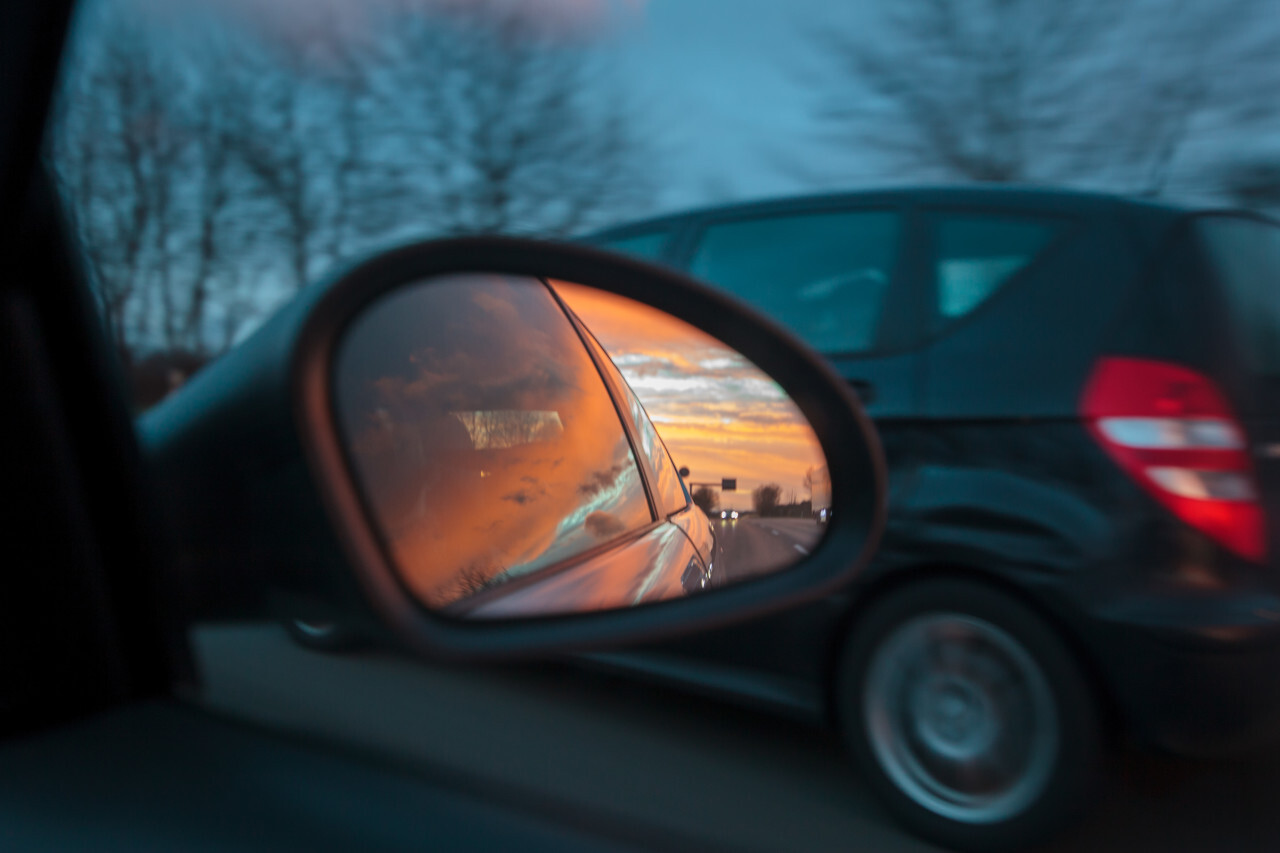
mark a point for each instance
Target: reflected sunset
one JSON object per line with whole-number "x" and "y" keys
{"x": 483, "y": 436}
{"x": 719, "y": 414}
{"x": 491, "y": 452}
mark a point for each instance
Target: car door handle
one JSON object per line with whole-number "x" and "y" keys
{"x": 865, "y": 390}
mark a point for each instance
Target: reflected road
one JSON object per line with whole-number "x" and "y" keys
{"x": 753, "y": 545}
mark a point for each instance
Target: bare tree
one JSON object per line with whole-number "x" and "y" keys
{"x": 505, "y": 127}
{"x": 765, "y": 499}
{"x": 208, "y": 174}
{"x": 707, "y": 499}
{"x": 1023, "y": 90}
{"x": 217, "y": 240}
{"x": 114, "y": 152}
{"x": 371, "y": 180}
{"x": 274, "y": 145}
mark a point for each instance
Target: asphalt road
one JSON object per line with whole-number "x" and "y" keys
{"x": 753, "y": 545}
{"x": 725, "y": 776}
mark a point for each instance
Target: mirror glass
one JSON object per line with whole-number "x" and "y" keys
{"x": 530, "y": 448}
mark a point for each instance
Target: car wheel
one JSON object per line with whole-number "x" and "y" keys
{"x": 322, "y": 636}
{"x": 969, "y": 715}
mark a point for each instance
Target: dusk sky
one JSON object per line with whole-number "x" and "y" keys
{"x": 718, "y": 414}
{"x": 721, "y": 100}
{"x": 725, "y": 92}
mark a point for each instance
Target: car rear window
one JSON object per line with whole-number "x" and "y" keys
{"x": 1245, "y": 254}
{"x": 825, "y": 275}
{"x": 978, "y": 254}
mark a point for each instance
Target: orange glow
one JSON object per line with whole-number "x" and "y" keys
{"x": 718, "y": 414}
{"x": 463, "y": 504}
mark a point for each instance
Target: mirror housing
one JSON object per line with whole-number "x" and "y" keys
{"x": 268, "y": 522}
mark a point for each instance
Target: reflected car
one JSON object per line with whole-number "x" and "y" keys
{"x": 1079, "y": 400}
{"x": 507, "y": 465}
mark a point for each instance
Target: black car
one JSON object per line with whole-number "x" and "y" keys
{"x": 1079, "y": 399}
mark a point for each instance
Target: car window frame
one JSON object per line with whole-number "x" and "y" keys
{"x": 622, "y": 404}
{"x": 460, "y": 608}
{"x": 899, "y": 327}
{"x": 648, "y": 479}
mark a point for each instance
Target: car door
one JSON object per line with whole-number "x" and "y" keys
{"x": 845, "y": 279}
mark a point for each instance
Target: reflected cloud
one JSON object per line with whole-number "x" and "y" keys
{"x": 601, "y": 480}
{"x": 603, "y": 525}
{"x": 718, "y": 413}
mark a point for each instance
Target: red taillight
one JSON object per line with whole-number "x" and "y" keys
{"x": 1172, "y": 431}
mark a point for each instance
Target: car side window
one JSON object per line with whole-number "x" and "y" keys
{"x": 669, "y": 491}
{"x": 977, "y": 255}
{"x": 648, "y": 246}
{"x": 825, "y": 275}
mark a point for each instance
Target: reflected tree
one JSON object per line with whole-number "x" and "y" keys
{"x": 765, "y": 499}
{"x": 707, "y": 499}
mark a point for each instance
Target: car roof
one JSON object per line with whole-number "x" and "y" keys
{"x": 1005, "y": 197}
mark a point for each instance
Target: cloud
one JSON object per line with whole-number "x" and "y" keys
{"x": 717, "y": 412}
{"x": 603, "y": 525}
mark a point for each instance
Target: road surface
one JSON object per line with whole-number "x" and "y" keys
{"x": 712, "y": 771}
{"x": 752, "y": 545}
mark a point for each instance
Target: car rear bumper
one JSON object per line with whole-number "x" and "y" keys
{"x": 1197, "y": 689}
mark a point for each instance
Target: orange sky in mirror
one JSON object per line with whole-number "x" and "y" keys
{"x": 717, "y": 413}
{"x": 457, "y": 511}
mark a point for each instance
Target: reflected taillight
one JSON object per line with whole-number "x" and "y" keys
{"x": 1172, "y": 430}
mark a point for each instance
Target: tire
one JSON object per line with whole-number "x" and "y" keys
{"x": 971, "y": 718}
{"x": 323, "y": 636}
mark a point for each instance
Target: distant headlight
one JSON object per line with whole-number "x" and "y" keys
{"x": 733, "y": 514}
{"x": 724, "y": 514}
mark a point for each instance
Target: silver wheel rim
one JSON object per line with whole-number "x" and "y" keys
{"x": 961, "y": 718}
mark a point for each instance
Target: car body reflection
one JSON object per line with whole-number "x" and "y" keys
{"x": 483, "y": 436}
{"x": 512, "y": 471}
{"x": 658, "y": 564}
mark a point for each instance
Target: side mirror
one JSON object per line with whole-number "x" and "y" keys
{"x": 472, "y": 445}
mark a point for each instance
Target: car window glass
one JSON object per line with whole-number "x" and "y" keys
{"x": 646, "y": 246}
{"x": 1246, "y": 256}
{"x": 482, "y": 435}
{"x": 669, "y": 490}
{"x": 825, "y": 275}
{"x": 978, "y": 254}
